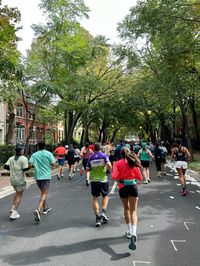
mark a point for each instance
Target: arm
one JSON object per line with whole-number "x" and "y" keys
{"x": 172, "y": 154}
{"x": 187, "y": 154}
{"x": 109, "y": 166}
{"x": 150, "y": 154}
{"x": 115, "y": 172}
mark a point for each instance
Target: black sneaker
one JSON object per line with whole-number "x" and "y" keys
{"x": 46, "y": 210}
{"x": 37, "y": 216}
{"x": 98, "y": 221}
{"x": 133, "y": 244}
{"x": 104, "y": 218}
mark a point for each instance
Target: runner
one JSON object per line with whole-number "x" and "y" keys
{"x": 60, "y": 153}
{"x": 85, "y": 154}
{"x": 42, "y": 160}
{"x": 145, "y": 155}
{"x": 77, "y": 158}
{"x": 163, "y": 158}
{"x": 126, "y": 171}
{"x": 71, "y": 160}
{"x": 158, "y": 158}
{"x": 118, "y": 148}
{"x": 96, "y": 171}
{"x": 17, "y": 165}
{"x": 181, "y": 155}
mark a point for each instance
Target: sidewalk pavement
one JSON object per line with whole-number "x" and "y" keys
{"x": 5, "y": 187}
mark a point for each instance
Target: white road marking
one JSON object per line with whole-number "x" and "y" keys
{"x": 191, "y": 191}
{"x": 197, "y": 207}
{"x": 143, "y": 262}
{"x": 178, "y": 185}
{"x": 181, "y": 241}
{"x": 171, "y": 197}
{"x": 113, "y": 188}
{"x": 185, "y": 223}
{"x": 198, "y": 191}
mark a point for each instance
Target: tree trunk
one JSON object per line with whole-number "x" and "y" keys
{"x": 65, "y": 127}
{"x": 73, "y": 119}
{"x": 195, "y": 120}
{"x": 113, "y": 138}
{"x": 11, "y": 134}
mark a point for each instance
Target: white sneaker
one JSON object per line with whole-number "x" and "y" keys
{"x": 14, "y": 215}
{"x": 145, "y": 182}
{"x": 128, "y": 234}
{"x": 12, "y": 209}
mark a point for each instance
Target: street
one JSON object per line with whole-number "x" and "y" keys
{"x": 168, "y": 227}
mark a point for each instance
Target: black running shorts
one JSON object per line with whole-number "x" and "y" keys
{"x": 128, "y": 191}
{"x": 84, "y": 163}
{"x": 145, "y": 164}
{"x": 99, "y": 188}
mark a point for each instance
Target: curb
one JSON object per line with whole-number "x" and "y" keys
{"x": 8, "y": 190}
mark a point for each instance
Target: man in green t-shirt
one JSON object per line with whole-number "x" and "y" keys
{"x": 17, "y": 165}
{"x": 42, "y": 161}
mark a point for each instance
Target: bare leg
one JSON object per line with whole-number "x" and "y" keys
{"x": 42, "y": 202}
{"x": 95, "y": 205}
{"x": 17, "y": 199}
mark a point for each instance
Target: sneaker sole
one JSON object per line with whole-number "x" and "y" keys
{"x": 97, "y": 225}
{"x": 46, "y": 211}
{"x": 133, "y": 244}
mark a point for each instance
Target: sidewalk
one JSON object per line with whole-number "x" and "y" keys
{"x": 5, "y": 187}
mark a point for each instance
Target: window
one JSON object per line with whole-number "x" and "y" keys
{"x": 20, "y": 132}
{"x": 20, "y": 110}
{"x": 30, "y": 113}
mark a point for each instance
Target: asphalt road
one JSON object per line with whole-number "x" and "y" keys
{"x": 168, "y": 227}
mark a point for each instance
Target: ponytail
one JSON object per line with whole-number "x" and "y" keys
{"x": 132, "y": 159}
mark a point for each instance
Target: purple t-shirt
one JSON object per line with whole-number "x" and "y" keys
{"x": 97, "y": 164}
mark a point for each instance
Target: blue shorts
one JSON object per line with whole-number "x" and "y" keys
{"x": 43, "y": 184}
{"x": 99, "y": 188}
{"x": 61, "y": 161}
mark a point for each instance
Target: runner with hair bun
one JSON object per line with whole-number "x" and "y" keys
{"x": 127, "y": 172}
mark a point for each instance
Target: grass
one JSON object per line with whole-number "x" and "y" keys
{"x": 195, "y": 164}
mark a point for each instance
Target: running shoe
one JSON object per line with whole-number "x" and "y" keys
{"x": 149, "y": 180}
{"x": 70, "y": 177}
{"x": 133, "y": 244}
{"x": 164, "y": 173}
{"x": 185, "y": 192}
{"x": 58, "y": 176}
{"x": 12, "y": 209}
{"x": 37, "y": 216}
{"x": 128, "y": 234}
{"x": 87, "y": 183}
{"x": 145, "y": 182}
{"x": 98, "y": 221}
{"x": 62, "y": 176}
{"x": 14, "y": 215}
{"x": 104, "y": 218}
{"x": 46, "y": 210}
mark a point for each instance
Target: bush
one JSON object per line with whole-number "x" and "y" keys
{"x": 6, "y": 151}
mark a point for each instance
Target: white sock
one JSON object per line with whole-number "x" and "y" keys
{"x": 134, "y": 229}
{"x": 129, "y": 227}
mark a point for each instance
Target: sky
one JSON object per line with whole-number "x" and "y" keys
{"x": 104, "y": 16}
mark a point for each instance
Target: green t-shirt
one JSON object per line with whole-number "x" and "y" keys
{"x": 17, "y": 175}
{"x": 42, "y": 161}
